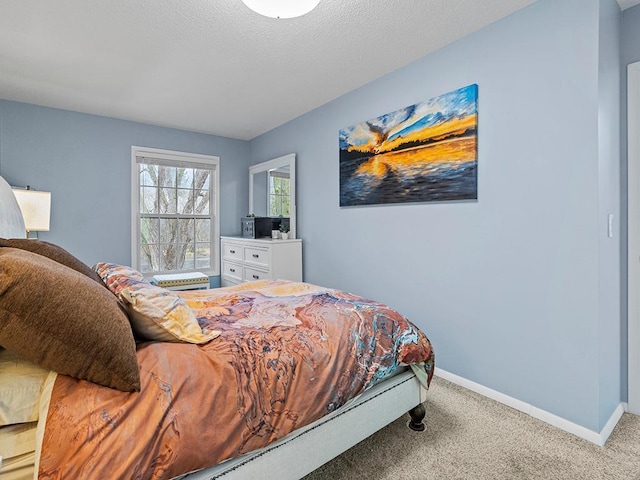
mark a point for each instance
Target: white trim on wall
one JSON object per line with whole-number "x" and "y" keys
{"x": 633, "y": 238}
{"x": 599, "y": 438}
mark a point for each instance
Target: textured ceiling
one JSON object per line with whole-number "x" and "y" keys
{"x": 213, "y": 65}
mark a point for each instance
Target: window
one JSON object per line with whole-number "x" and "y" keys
{"x": 279, "y": 189}
{"x": 175, "y": 205}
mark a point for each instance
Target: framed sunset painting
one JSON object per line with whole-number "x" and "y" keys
{"x": 422, "y": 153}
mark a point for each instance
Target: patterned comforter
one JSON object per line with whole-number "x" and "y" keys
{"x": 288, "y": 354}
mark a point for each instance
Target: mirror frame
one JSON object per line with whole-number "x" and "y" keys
{"x": 284, "y": 161}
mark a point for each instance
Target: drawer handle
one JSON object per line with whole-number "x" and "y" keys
{"x": 257, "y": 277}
{"x": 232, "y": 251}
{"x": 232, "y": 270}
{"x": 255, "y": 255}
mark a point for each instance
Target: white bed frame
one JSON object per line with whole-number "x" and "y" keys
{"x": 307, "y": 448}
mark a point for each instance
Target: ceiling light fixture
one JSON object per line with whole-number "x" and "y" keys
{"x": 281, "y": 8}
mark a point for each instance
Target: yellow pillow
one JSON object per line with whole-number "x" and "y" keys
{"x": 154, "y": 312}
{"x": 158, "y": 314}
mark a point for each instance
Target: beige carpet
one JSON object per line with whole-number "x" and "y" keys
{"x": 471, "y": 437}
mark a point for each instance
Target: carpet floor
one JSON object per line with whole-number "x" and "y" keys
{"x": 469, "y": 436}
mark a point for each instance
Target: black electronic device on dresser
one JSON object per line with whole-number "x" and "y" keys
{"x": 261, "y": 227}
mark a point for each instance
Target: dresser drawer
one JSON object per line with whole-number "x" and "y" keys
{"x": 257, "y": 256}
{"x": 231, "y": 251}
{"x": 232, "y": 271}
{"x": 228, "y": 282}
{"x": 252, "y": 274}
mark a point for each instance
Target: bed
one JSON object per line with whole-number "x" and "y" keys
{"x": 268, "y": 379}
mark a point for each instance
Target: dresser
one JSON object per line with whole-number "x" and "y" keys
{"x": 249, "y": 259}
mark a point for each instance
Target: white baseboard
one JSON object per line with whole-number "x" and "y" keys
{"x": 547, "y": 417}
{"x": 611, "y": 423}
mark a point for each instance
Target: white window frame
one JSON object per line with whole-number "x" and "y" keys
{"x": 207, "y": 161}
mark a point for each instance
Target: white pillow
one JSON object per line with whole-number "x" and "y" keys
{"x": 20, "y": 387}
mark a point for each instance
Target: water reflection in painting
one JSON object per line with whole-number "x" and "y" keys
{"x": 425, "y": 152}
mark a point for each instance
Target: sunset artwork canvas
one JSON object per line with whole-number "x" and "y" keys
{"x": 422, "y": 153}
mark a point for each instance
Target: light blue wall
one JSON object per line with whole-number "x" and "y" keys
{"x": 629, "y": 53}
{"x": 85, "y": 162}
{"x": 507, "y": 287}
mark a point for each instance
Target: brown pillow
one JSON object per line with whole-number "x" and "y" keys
{"x": 54, "y": 252}
{"x": 61, "y": 320}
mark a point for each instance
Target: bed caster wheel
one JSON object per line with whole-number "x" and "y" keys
{"x": 417, "y": 415}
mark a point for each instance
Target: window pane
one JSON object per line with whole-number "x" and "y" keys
{"x": 185, "y": 201}
{"x": 148, "y": 174}
{"x": 177, "y": 256}
{"x": 150, "y": 258}
{"x": 148, "y": 200}
{"x": 189, "y": 257}
{"x": 145, "y": 259}
{"x": 168, "y": 230}
{"x": 203, "y": 255}
{"x": 185, "y": 177}
{"x": 167, "y": 176}
{"x": 202, "y": 202}
{"x": 183, "y": 260}
{"x": 168, "y": 257}
{"x": 168, "y": 200}
{"x": 286, "y": 206}
{"x": 203, "y": 230}
{"x": 186, "y": 230}
{"x": 149, "y": 230}
{"x": 273, "y": 207}
{"x": 201, "y": 178}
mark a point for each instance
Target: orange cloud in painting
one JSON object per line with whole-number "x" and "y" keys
{"x": 454, "y": 127}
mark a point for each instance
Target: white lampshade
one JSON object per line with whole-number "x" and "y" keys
{"x": 281, "y": 8}
{"x": 36, "y": 209}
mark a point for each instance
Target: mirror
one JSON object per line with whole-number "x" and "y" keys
{"x": 272, "y": 189}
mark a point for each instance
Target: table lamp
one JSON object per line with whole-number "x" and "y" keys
{"x": 36, "y": 209}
